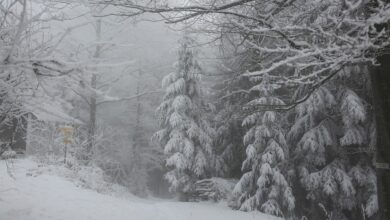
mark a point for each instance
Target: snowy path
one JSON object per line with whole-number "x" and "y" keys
{"x": 51, "y": 197}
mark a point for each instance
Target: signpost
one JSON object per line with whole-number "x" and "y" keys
{"x": 67, "y": 132}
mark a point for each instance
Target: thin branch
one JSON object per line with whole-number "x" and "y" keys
{"x": 294, "y": 104}
{"x": 128, "y": 98}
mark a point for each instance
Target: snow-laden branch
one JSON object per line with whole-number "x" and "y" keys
{"x": 109, "y": 99}
{"x": 191, "y": 11}
{"x": 19, "y": 32}
{"x": 289, "y": 106}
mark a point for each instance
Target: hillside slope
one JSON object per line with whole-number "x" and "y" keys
{"x": 46, "y": 196}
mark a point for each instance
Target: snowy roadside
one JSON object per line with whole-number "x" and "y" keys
{"x": 40, "y": 194}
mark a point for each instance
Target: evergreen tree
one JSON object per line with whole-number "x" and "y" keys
{"x": 330, "y": 129}
{"x": 185, "y": 134}
{"x": 264, "y": 185}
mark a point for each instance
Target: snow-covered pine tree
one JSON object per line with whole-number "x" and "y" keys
{"x": 328, "y": 126}
{"x": 358, "y": 139}
{"x": 264, "y": 185}
{"x": 323, "y": 175}
{"x": 185, "y": 135}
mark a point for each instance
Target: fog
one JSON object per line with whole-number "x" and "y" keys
{"x": 136, "y": 50}
{"x": 195, "y": 109}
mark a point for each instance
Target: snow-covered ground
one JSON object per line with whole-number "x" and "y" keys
{"x": 33, "y": 195}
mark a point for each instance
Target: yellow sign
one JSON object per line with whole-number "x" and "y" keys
{"x": 67, "y": 131}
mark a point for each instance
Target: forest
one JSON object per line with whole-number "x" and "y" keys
{"x": 195, "y": 109}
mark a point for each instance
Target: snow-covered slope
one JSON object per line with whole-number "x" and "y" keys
{"x": 44, "y": 196}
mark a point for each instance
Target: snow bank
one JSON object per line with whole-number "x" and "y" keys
{"x": 89, "y": 177}
{"x": 40, "y": 194}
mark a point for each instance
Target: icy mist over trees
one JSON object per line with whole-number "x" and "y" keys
{"x": 272, "y": 106}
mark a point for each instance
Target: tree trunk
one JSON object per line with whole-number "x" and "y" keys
{"x": 93, "y": 103}
{"x": 140, "y": 188}
{"x": 381, "y": 89}
{"x": 92, "y": 118}
{"x": 137, "y": 133}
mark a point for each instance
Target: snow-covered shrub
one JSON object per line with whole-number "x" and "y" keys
{"x": 89, "y": 177}
{"x": 8, "y": 154}
{"x": 44, "y": 139}
{"x": 112, "y": 156}
{"x": 92, "y": 177}
{"x": 121, "y": 162}
{"x": 213, "y": 189}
